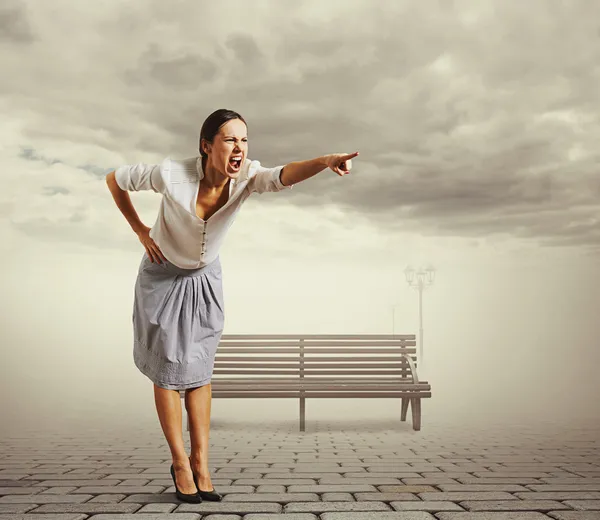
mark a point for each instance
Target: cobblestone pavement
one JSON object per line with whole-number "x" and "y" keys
{"x": 346, "y": 470}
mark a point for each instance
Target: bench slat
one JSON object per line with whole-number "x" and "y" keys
{"x": 222, "y": 349}
{"x": 316, "y": 382}
{"x": 310, "y": 365}
{"x": 322, "y": 344}
{"x": 312, "y": 381}
{"x": 308, "y": 372}
{"x": 311, "y": 359}
{"x": 262, "y": 337}
{"x": 404, "y": 387}
{"x": 307, "y": 395}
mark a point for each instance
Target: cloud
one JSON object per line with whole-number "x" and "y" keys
{"x": 53, "y": 190}
{"x": 472, "y": 119}
{"x": 14, "y": 24}
{"x": 185, "y": 71}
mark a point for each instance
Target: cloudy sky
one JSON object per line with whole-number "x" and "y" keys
{"x": 477, "y": 126}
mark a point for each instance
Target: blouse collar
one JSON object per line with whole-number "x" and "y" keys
{"x": 199, "y": 169}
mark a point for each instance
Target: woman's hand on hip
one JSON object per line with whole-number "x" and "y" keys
{"x": 153, "y": 251}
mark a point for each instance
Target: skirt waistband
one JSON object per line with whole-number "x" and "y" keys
{"x": 167, "y": 267}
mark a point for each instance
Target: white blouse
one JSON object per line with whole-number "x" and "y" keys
{"x": 185, "y": 239}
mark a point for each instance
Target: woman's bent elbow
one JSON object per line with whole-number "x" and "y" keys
{"x": 111, "y": 181}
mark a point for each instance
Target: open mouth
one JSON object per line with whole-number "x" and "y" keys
{"x": 235, "y": 162}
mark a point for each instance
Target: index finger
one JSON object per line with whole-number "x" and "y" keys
{"x": 350, "y": 156}
{"x": 160, "y": 253}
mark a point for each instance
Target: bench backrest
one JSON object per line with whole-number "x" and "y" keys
{"x": 325, "y": 356}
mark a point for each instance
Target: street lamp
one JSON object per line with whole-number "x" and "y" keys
{"x": 419, "y": 280}
{"x": 394, "y": 319}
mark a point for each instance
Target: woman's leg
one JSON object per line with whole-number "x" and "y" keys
{"x": 197, "y": 404}
{"x": 168, "y": 406}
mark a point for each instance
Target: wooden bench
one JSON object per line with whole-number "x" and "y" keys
{"x": 326, "y": 366}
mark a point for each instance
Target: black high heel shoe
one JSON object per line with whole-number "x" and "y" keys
{"x": 207, "y": 495}
{"x": 191, "y": 498}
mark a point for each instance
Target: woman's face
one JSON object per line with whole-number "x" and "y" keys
{"x": 229, "y": 148}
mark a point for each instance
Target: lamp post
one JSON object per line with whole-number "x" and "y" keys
{"x": 394, "y": 319}
{"x": 419, "y": 280}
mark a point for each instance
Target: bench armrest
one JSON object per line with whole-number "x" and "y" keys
{"x": 413, "y": 369}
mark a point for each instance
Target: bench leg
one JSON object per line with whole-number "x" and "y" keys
{"x": 415, "y": 404}
{"x": 182, "y": 396}
{"x": 405, "y": 402}
{"x": 302, "y": 413}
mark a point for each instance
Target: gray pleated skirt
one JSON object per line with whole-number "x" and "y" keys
{"x": 178, "y": 319}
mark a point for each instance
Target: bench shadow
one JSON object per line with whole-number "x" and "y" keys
{"x": 376, "y": 426}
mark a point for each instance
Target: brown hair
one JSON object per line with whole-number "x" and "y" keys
{"x": 210, "y": 127}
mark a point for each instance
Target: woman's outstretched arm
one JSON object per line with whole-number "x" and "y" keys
{"x": 298, "y": 171}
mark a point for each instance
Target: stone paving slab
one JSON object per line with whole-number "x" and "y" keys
{"x": 277, "y": 481}
{"x": 89, "y": 508}
{"x": 508, "y": 488}
{"x": 376, "y": 481}
{"x": 40, "y": 477}
{"x": 240, "y": 508}
{"x": 467, "y": 495}
{"x": 94, "y": 490}
{"x": 340, "y": 497}
{"x": 152, "y": 498}
{"x": 374, "y": 475}
{"x": 512, "y": 505}
{"x": 428, "y": 481}
{"x": 44, "y": 499}
{"x": 16, "y": 508}
{"x": 58, "y": 491}
{"x": 349, "y": 487}
{"x": 112, "y": 499}
{"x": 385, "y": 497}
{"x": 384, "y": 515}
{"x": 148, "y": 516}
{"x": 258, "y": 516}
{"x": 520, "y": 481}
{"x": 157, "y": 508}
{"x": 574, "y": 515}
{"x": 13, "y": 490}
{"x": 281, "y": 498}
{"x": 50, "y": 516}
{"x": 92, "y": 482}
{"x": 523, "y": 515}
{"x": 322, "y": 507}
{"x": 583, "y": 486}
{"x": 423, "y": 505}
{"x": 570, "y": 480}
{"x": 406, "y": 489}
{"x": 559, "y": 495}
{"x": 271, "y": 516}
{"x": 589, "y": 505}
{"x": 334, "y": 472}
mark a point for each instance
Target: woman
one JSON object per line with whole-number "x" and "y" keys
{"x": 178, "y": 313}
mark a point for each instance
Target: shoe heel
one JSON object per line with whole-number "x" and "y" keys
{"x": 191, "y": 498}
{"x": 212, "y": 496}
